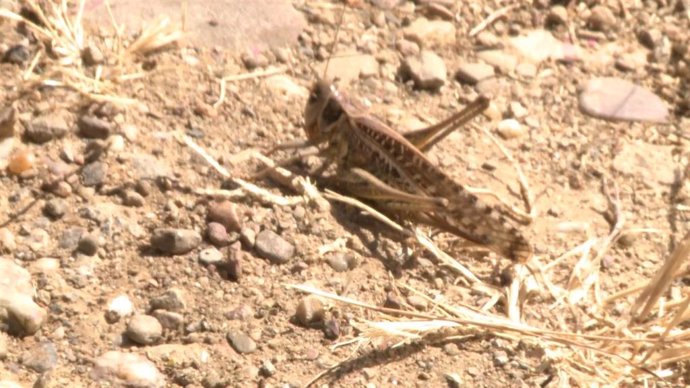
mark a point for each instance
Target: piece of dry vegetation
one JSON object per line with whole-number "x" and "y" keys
{"x": 59, "y": 27}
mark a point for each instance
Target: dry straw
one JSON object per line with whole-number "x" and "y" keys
{"x": 61, "y": 30}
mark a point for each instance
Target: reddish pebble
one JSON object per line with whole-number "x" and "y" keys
{"x": 217, "y": 234}
{"x": 224, "y": 213}
{"x": 20, "y": 161}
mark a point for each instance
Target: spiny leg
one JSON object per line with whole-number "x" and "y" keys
{"x": 426, "y": 138}
{"x": 364, "y": 185}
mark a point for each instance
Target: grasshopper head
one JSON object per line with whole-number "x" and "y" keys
{"x": 323, "y": 109}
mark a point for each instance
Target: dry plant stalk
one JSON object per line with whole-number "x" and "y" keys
{"x": 66, "y": 37}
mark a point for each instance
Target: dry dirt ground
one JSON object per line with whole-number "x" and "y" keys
{"x": 228, "y": 318}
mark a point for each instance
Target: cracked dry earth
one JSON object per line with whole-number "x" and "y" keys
{"x": 123, "y": 274}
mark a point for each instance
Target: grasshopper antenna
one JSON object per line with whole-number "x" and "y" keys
{"x": 335, "y": 40}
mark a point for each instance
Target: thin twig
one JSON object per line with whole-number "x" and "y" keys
{"x": 255, "y": 74}
{"x": 492, "y": 18}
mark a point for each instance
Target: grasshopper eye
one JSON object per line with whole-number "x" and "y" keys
{"x": 313, "y": 97}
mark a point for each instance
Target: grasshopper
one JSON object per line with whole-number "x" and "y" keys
{"x": 390, "y": 171}
{"x": 379, "y": 165}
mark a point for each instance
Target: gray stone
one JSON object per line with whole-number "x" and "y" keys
{"x": 132, "y": 199}
{"x": 427, "y": 70}
{"x": 241, "y": 342}
{"x": 471, "y": 73}
{"x": 173, "y": 299}
{"x": 70, "y": 238}
{"x": 273, "y": 247}
{"x": 17, "y": 55}
{"x": 144, "y": 329}
{"x": 617, "y": 99}
{"x": 94, "y": 174}
{"x": 55, "y": 208}
{"x": 338, "y": 262}
{"x": 175, "y": 241}
{"x": 41, "y": 357}
{"x": 46, "y": 128}
{"x": 88, "y": 244}
{"x": 92, "y": 127}
{"x": 127, "y": 370}
{"x": 169, "y": 320}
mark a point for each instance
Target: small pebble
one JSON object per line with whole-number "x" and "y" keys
{"x": 331, "y": 329}
{"x": 500, "y": 358}
{"x": 510, "y": 129}
{"x": 471, "y": 73}
{"x": 241, "y": 342}
{"x": 273, "y": 247}
{"x": 233, "y": 266}
{"x": 144, "y": 329}
{"x": 41, "y": 357}
{"x": 132, "y": 199}
{"x": 418, "y": 302}
{"x": 175, "y": 241}
{"x": 126, "y": 369}
{"x": 557, "y": 16}
{"x": 601, "y": 19}
{"x": 94, "y": 174}
{"x": 91, "y": 127}
{"x": 118, "y": 308}
{"x": 172, "y": 300}
{"x": 21, "y": 161}
{"x": 393, "y": 301}
{"x": 217, "y": 234}
{"x": 517, "y": 110}
{"x": 88, "y": 244}
{"x": 427, "y": 70}
{"x": 224, "y": 213}
{"x": 309, "y": 310}
{"x": 46, "y": 128}
{"x": 248, "y": 237}
{"x": 253, "y": 60}
{"x": 17, "y": 55}
{"x": 169, "y": 320}
{"x": 55, "y": 208}
{"x": 338, "y": 262}
{"x": 407, "y": 48}
{"x": 267, "y": 369}
{"x": 210, "y": 256}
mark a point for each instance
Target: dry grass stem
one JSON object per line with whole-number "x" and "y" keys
{"x": 64, "y": 39}
{"x": 499, "y": 13}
